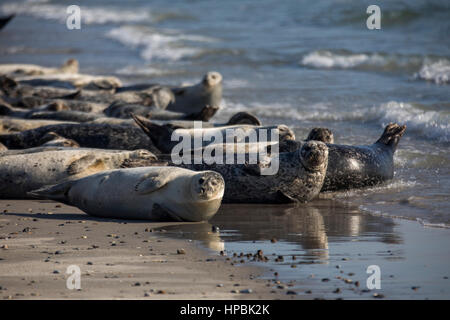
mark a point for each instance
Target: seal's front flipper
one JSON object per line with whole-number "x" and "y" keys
{"x": 58, "y": 192}
{"x": 152, "y": 182}
{"x": 86, "y": 163}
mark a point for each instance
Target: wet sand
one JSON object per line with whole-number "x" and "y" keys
{"x": 316, "y": 250}
{"x": 118, "y": 259}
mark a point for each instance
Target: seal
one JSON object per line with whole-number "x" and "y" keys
{"x": 318, "y": 134}
{"x": 14, "y": 125}
{"x": 52, "y": 139}
{"x": 161, "y": 135}
{"x": 363, "y": 166}
{"x": 21, "y": 173}
{"x": 121, "y": 110}
{"x": 150, "y": 193}
{"x": 88, "y": 135}
{"x": 193, "y": 98}
{"x": 71, "y": 81}
{"x": 299, "y": 177}
{"x": 69, "y": 67}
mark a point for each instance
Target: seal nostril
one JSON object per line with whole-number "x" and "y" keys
{"x": 201, "y": 180}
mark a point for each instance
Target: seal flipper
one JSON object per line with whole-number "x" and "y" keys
{"x": 155, "y": 132}
{"x": 89, "y": 162}
{"x": 391, "y": 135}
{"x": 58, "y": 192}
{"x": 152, "y": 182}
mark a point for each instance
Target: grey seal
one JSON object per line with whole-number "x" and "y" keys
{"x": 24, "y": 172}
{"x": 299, "y": 178}
{"x": 151, "y": 193}
{"x": 89, "y": 135}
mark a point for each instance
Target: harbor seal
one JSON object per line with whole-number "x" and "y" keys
{"x": 24, "y": 172}
{"x": 150, "y": 193}
{"x": 299, "y": 177}
{"x": 52, "y": 139}
{"x": 14, "y": 125}
{"x": 362, "y": 166}
{"x": 69, "y": 67}
{"x": 192, "y": 98}
{"x": 161, "y": 135}
{"x": 318, "y": 134}
{"x": 123, "y": 110}
{"x": 88, "y": 135}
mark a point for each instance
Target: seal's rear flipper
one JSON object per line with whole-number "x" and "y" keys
{"x": 58, "y": 192}
{"x": 4, "y": 20}
{"x": 153, "y": 130}
{"x": 204, "y": 115}
{"x": 244, "y": 118}
{"x": 391, "y": 135}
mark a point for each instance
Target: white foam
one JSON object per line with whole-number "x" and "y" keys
{"x": 89, "y": 15}
{"x": 438, "y": 72}
{"x": 328, "y": 59}
{"x": 156, "y": 44}
{"x": 427, "y": 123}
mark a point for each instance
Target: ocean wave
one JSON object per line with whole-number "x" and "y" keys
{"x": 157, "y": 44}
{"x": 426, "y": 123}
{"x": 378, "y": 61}
{"x": 89, "y": 15}
{"x": 438, "y": 72}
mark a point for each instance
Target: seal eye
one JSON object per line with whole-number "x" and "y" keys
{"x": 201, "y": 180}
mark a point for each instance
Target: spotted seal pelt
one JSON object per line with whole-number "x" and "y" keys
{"x": 362, "y": 166}
{"x": 161, "y": 135}
{"x": 13, "y": 125}
{"x": 152, "y": 193}
{"x": 69, "y": 67}
{"x": 299, "y": 177}
{"x": 21, "y": 173}
{"x": 192, "y": 98}
{"x": 89, "y": 135}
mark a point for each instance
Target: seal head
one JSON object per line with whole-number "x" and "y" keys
{"x": 207, "y": 185}
{"x": 321, "y": 134}
{"x": 314, "y": 155}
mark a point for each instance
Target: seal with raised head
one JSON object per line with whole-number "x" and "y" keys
{"x": 24, "y": 172}
{"x": 299, "y": 177}
{"x": 151, "y": 193}
{"x": 192, "y": 98}
{"x": 88, "y": 135}
{"x": 362, "y": 166}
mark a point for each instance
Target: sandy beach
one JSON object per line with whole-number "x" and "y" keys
{"x": 119, "y": 259}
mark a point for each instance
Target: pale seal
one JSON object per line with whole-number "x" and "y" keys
{"x": 151, "y": 193}
{"x": 299, "y": 177}
{"x": 12, "y": 125}
{"x": 192, "y": 98}
{"x": 69, "y": 67}
{"x": 30, "y": 170}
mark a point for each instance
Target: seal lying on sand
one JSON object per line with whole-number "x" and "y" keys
{"x": 88, "y": 135}
{"x": 21, "y": 173}
{"x": 153, "y": 193}
{"x": 192, "y": 98}
{"x": 69, "y": 67}
{"x": 363, "y": 166}
{"x": 299, "y": 177}
{"x": 162, "y": 135}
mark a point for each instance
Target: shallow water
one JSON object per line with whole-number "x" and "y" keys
{"x": 305, "y": 64}
{"x": 299, "y": 63}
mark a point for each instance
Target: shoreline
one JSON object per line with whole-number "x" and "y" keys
{"x": 118, "y": 259}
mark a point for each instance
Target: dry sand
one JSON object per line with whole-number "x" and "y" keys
{"x": 119, "y": 259}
